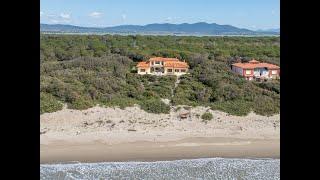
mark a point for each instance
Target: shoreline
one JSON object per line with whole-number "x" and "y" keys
{"x": 144, "y": 151}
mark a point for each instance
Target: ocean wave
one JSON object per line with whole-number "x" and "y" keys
{"x": 205, "y": 168}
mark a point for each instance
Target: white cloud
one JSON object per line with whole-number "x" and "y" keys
{"x": 123, "y": 16}
{"x": 95, "y": 14}
{"x": 51, "y": 15}
{"x": 65, "y": 16}
{"x": 253, "y": 27}
{"x": 54, "y": 21}
{"x": 56, "y": 18}
{"x": 168, "y": 19}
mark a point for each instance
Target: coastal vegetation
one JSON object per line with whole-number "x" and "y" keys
{"x": 49, "y": 103}
{"x": 206, "y": 116}
{"x": 155, "y": 106}
{"x": 85, "y": 70}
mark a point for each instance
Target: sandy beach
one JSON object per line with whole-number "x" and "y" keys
{"x": 131, "y": 134}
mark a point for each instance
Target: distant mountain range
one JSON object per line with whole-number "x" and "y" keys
{"x": 200, "y": 28}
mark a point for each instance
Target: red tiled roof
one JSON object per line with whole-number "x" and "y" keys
{"x": 168, "y": 62}
{"x": 253, "y": 61}
{"x": 163, "y": 59}
{"x": 175, "y": 64}
{"x": 255, "y": 64}
{"x": 143, "y": 64}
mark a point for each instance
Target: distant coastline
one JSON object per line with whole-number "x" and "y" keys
{"x": 184, "y": 29}
{"x": 150, "y": 34}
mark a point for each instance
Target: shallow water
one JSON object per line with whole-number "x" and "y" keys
{"x": 208, "y": 168}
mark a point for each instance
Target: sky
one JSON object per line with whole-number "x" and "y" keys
{"x": 250, "y": 14}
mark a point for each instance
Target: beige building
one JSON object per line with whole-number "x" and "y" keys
{"x": 163, "y": 66}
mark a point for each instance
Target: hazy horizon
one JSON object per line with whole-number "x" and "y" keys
{"x": 248, "y": 14}
{"x": 150, "y": 24}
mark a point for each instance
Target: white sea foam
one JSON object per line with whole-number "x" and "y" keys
{"x": 207, "y": 168}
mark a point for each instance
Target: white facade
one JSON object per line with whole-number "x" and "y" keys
{"x": 162, "y": 67}
{"x": 142, "y": 70}
{"x": 163, "y": 71}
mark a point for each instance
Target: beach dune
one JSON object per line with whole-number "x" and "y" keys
{"x": 112, "y": 134}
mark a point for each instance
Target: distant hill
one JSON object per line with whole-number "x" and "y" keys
{"x": 200, "y": 28}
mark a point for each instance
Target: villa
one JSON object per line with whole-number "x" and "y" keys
{"x": 256, "y": 70}
{"x": 163, "y": 66}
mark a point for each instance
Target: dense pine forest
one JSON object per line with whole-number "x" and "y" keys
{"x": 85, "y": 70}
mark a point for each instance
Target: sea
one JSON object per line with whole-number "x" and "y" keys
{"x": 205, "y": 168}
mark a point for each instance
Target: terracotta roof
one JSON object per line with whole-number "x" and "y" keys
{"x": 143, "y": 64}
{"x": 175, "y": 64}
{"x": 163, "y": 59}
{"x": 255, "y": 65}
{"x": 253, "y": 61}
{"x": 168, "y": 62}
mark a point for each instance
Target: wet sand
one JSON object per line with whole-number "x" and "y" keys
{"x": 159, "y": 151}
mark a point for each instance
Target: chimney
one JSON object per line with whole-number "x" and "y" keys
{"x": 253, "y": 61}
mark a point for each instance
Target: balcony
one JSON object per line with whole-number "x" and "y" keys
{"x": 157, "y": 70}
{"x": 156, "y": 65}
{"x": 261, "y": 72}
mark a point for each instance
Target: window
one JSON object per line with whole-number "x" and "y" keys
{"x": 157, "y": 62}
{"x": 248, "y": 71}
{"x": 169, "y": 70}
{"x": 176, "y": 70}
{"x": 142, "y": 70}
{"x": 183, "y": 70}
{"x": 274, "y": 72}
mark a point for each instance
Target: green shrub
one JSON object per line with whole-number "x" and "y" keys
{"x": 266, "y": 106}
{"x": 206, "y": 116}
{"x": 227, "y": 92}
{"x": 81, "y": 104}
{"x": 86, "y": 70}
{"x": 238, "y": 108}
{"x": 121, "y": 102}
{"x": 49, "y": 103}
{"x": 155, "y": 106}
{"x": 270, "y": 85}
